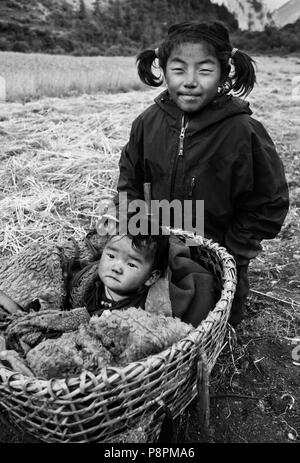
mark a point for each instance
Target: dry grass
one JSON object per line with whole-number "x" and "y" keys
{"x": 58, "y": 162}
{"x": 35, "y": 75}
{"x": 59, "y": 157}
{"x": 276, "y": 270}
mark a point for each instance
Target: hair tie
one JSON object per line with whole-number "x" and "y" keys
{"x": 156, "y": 51}
{"x": 233, "y": 52}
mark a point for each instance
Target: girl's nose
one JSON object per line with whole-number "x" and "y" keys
{"x": 190, "y": 81}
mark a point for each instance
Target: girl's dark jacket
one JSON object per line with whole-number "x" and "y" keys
{"x": 228, "y": 160}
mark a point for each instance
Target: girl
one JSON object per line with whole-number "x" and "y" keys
{"x": 199, "y": 142}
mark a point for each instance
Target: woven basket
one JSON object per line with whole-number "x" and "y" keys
{"x": 90, "y": 408}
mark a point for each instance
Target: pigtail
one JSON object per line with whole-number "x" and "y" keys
{"x": 244, "y": 76}
{"x": 145, "y": 61}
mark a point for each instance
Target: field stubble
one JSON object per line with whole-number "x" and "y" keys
{"x": 34, "y": 75}
{"x": 59, "y": 162}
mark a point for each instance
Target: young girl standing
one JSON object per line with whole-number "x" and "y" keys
{"x": 197, "y": 141}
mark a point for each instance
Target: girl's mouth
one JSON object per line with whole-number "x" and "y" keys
{"x": 186, "y": 97}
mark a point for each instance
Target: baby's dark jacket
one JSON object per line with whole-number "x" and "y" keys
{"x": 229, "y": 161}
{"x": 96, "y": 301}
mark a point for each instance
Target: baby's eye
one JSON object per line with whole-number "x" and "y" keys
{"x": 132, "y": 265}
{"x": 206, "y": 71}
{"x": 110, "y": 255}
{"x": 178, "y": 69}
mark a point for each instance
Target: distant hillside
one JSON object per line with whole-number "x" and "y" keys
{"x": 122, "y": 27}
{"x": 96, "y": 27}
{"x": 271, "y": 40}
{"x": 251, "y": 15}
{"x": 287, "y": 13}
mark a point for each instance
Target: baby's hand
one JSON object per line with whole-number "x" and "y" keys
{"x": 7, "y": 305}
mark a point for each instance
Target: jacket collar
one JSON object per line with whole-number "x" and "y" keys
{"x": 219, "y": 109}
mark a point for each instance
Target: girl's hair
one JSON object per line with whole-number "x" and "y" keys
{"x": 216, "y": 36}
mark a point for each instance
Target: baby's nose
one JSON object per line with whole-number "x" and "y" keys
{"x": 117, "y": 266}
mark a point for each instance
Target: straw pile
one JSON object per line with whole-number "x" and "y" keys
{"x": 59, "y": 164}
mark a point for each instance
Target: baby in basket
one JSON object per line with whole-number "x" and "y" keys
{"x": 57, "y": 344}
{"x": 117, "y": 275}
{"x": 155, "y": 272}
{"x": 128, "y": 267}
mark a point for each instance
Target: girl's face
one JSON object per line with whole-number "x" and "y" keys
{"x": 193, "y": 76}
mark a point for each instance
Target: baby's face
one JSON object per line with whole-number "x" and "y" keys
{"x": 123, "y": 269}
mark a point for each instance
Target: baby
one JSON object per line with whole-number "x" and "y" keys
{"x": 128, "y": 267}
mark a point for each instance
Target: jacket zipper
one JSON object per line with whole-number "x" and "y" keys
{"x": 181, "y": 136}
{"x": 184, "y": 126}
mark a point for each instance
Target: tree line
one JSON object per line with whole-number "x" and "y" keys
{"x": 124, "y": 27}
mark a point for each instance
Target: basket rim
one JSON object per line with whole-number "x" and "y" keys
{"x": 108, "y": 374}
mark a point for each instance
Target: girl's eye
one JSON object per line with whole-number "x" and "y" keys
{"x": 178, "y": 69}
{"x": 111, "y": 256}
{"x": 206, "y": 71}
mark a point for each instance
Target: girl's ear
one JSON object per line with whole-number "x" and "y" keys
{"x": 155, "y": 274}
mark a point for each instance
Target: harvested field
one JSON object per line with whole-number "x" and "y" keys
{"x": 59, "y": 161}
{"x": 35, "y": 75}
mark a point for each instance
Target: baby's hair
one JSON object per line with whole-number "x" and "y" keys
{"x": 155, "y": 247}
{"x": 216, "y": 37}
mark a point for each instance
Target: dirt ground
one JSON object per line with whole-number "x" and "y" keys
{"x": 254, "y": 393}
{"x": 255, "y": 384}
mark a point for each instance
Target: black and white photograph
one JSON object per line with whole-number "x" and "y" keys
{"x": 149, "y": 225}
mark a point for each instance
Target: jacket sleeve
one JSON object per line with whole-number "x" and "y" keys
{"x": 131, "y": 168}
{"x": 260, "y": 196}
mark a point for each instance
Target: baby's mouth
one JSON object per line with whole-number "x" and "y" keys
{"x": 112, "y": 277}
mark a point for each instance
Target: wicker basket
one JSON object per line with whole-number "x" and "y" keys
{"x": 90, "y": 408}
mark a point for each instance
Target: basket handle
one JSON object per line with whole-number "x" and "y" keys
{"x": 167, "y": 430}
{"x": 203, "y": 391}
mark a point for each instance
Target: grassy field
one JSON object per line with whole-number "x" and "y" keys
{"x": 35, "y": 75}
{"x": 59, "y": 161}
